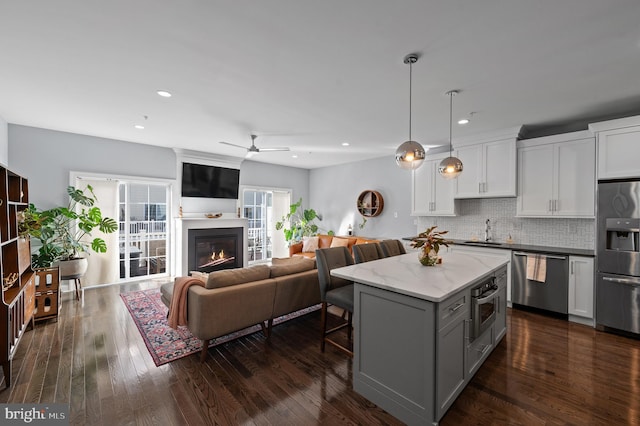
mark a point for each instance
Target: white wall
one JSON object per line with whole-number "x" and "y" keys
{"x": 334, "y": 192}
{"x": 4, "y": 142}
{"x": 269, "y": 175}
{"x": 46, "y": 157}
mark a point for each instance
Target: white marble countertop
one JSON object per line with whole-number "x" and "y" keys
{"x": 405, "y": 275}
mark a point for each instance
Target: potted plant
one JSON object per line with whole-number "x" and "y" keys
{"x": 429, "y": 242}
{"x": 65, "y": 232}
{"x": 301, "y": 223}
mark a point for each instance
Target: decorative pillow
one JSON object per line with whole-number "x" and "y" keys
{"x": 228, "y": 277}
{"x": 309, "y": 244}
{"x": 202, "y": 276}
{"x": 293, "y": 267}
{"x": 340, "y": 242}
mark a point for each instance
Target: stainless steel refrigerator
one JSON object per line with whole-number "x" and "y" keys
{"x": 618, "y": 256}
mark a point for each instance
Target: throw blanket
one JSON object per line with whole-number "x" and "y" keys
{"x": 178, "y": 309}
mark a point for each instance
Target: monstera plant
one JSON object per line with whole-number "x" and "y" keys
{"x": 65, "y": 232}
{"x": 298, "y": 223}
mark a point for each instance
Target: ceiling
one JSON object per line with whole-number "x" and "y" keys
{"x": 312, "y": 75}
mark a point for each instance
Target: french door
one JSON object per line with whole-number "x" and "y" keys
{"x": 143, "y": 228}
{"x": 263, "y": 207}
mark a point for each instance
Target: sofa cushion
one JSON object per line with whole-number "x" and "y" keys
{"x": 309, "y": 244}
{"x": 202, "y": 276}
{"x": 230, "y": 277}
{"x": 324, "y": 241}
{"x": 293, "y": 266}
{"x": 365, "y": 241}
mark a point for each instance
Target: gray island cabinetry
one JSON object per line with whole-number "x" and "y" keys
{"x": 421, "y": 332}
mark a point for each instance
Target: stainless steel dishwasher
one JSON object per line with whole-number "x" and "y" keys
{"x": 550, "y": 294}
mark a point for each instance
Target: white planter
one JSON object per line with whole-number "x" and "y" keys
{"x": 74, "y": 268}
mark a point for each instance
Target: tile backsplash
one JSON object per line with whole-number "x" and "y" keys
{"x": 553, "y": 232}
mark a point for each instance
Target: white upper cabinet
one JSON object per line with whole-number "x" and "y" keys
{"x": 556, "y": 176}
{"x": 432, "y": 195}
{"x": 618, "y": 148}
{"x": 489, "y": 166}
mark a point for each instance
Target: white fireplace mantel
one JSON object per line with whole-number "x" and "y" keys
{"x": 185, "y": 223}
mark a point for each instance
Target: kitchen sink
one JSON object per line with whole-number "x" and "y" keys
{"x": 483, "y": 243}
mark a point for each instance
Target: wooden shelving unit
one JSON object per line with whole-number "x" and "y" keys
{"x": 370, "y": 203}
{"x": 18, "y": 284}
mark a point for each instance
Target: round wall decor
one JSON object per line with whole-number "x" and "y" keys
{"x": 370, "y": 203}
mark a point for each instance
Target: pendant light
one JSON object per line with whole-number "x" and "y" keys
{"x": 410, "y": 154}
{"x": 451, "y": 166}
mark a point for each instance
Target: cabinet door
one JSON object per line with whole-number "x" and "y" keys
{"x": 469, "y": 182}
{"x": 576, "y": 178}
{"x": 450, "y": 375}
{"x": 581, "y": 286}
{"x": 499, "y": 169}
{"x": 535, "y": 181}
{"x": 422, "y": 189}
{"x": 618, "y": 153}
{"x": 443, "y": 194}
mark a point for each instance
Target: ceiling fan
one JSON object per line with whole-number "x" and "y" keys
{"x": 253, "y": 149}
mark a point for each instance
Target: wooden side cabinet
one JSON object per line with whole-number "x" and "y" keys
{"x": 18, "y": 279}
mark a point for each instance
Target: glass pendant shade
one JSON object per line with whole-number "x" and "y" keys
{"x": 450, "y": 167}
{"x": 410, "y": 155}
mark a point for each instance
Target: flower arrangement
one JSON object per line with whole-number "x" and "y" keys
{"x": 429, "y": 242}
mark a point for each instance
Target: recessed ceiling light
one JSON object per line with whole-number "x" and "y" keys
{"x": 345, "y": 143}
{"x": 139, "y": 126}
{"x": 164, "y": 93}
{"x": 294, "y": 156}
{"x": 463, "y": 121}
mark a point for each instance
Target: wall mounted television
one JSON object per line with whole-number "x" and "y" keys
{"x": 199, "y": 180}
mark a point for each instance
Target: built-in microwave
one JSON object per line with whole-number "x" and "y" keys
{"x": 484, "y": 307}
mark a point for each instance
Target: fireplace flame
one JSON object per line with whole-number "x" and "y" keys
{"x": 219, "y": 256}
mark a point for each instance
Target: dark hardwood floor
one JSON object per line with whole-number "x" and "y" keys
{"x": 545, "y": 371}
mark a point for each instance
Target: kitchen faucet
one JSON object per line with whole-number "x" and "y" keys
{"x": 487, "y": 228}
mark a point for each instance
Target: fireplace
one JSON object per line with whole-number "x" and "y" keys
{"x": 214, "y": 249}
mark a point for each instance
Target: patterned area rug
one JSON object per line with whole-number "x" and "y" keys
{"x": 166, "y": 344}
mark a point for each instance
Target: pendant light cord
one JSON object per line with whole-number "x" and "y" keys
{"x": 450, "y": 123}
{"x": 410, "y": 91}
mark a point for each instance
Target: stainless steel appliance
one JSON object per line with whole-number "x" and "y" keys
{"x": 551, "y": 293}
{"x": 618, "y": 256}
{"x": 484, "y": 306}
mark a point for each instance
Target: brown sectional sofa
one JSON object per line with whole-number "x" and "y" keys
{"x": 326, "y": 241}
{"x": 234, "y": 299}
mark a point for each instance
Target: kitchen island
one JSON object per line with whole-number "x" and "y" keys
{"x": 421, "y": 332}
